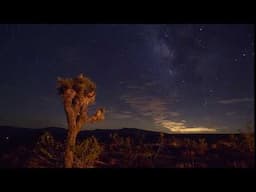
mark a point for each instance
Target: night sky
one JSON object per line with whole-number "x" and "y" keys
{"x": 176, "y": 78}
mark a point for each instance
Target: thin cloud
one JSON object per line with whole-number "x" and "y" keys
{"x": 120, "y": 116}
{"x": 150, "y": 83}
{"x": 231, "y": 113}
{"x": 232, "y": 101}
{"x": 157, "y": 109}
{"x": 148, "y": 114}
{"x": 127, "y": 112}
{"x": 147, "y": 105}
{"x": 174, "y": 114}
{"x": 116, "y": 114}
{"x": 134, "y": 87}
{"x": 180, "y": 127}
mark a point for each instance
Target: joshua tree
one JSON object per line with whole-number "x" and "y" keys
{"x": 77, "y": 94}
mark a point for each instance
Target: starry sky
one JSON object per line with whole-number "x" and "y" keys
{"x": 175, "y": 78}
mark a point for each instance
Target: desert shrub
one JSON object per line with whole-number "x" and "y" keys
{"x": 121, "y": 144}
{"x": 214, "y": 146}
{"x": 188, "y": 153}
{"x": 190, "y": 144}
{"x": 232, "y": 142}
{"x": 128, "y": 142}
{"x": 191, "y": 165}
{"x": 15, "y": 158}
{"x": 185, "y": 165}
{"x": 175, "y": 142}
{"x": 238, "y": 164}
{"x": 49, "y": 153}
{"x": 248, "y": 142}
{"x": 161, "y": 138}
{"x": 202, "y": 146}
{"x": 87, "y": 152}
{"x": 116, "y": 141}
{"x": 245, "y": 142}
{"x": 125, "y": 153}
{"x": 248, "y": 139}
{"x": 140, "y": 156}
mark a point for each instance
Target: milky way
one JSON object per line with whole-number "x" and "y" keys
{"x": 169, "y": 77}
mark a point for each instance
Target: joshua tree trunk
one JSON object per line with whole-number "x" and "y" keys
{"x": 72, "y": 134}
{"x": 74, "y": 126}
{"x": 70, "y": 145}
{"x": 75, "y": 123}
{"x": 77, "y": 94}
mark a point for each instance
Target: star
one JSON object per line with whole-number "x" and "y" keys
{"x": 201, "y": 44}
{"x": 182, "y": 67}
{"x": 171, "y": 73}
{"x": 205, "y": 103}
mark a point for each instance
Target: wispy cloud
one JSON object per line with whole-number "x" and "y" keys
{"x": 134, "y": 87}
{"x": 150, "y": 106}
{"x": 158, "y": 110}
{"x": 150, "y": 83}
{"x": 174, "y": 114}
{"x": 115, "y": 114}
{"x": 232, "y": 101}
{"x": 121, "y": 116}
{"x": 231, "y": 113}
{"x": 147, "y": 105}
{"x": 127, "y": 112}
{"x": 180, "y": 127}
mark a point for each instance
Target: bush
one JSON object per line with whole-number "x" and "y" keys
{"x": 202, "y": 146}
{"x": 87, "y": 152}
{"x": 49, "y": 153}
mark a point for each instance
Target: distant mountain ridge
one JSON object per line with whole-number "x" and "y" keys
{"x": 60, "y": 133}
{"x": 28, "y": 135}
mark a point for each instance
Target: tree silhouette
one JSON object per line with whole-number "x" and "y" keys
{"x": 77, "y": 94}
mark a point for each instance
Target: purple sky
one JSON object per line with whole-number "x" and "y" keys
{"x": 168, "y": 77}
